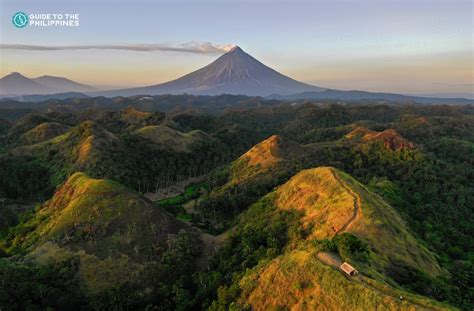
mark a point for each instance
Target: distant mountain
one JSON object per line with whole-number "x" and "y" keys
{"x": 63, "y": 84}
{"x": 235, "y": 72}
{"x": 445, "y": 95}
{"x": 363, "y": 95}
{"x": 16, "y": 84}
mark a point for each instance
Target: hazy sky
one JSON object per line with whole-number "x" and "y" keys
{"x": 415, "y": 46}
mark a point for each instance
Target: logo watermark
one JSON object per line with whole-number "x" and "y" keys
{"x": 21, "y": 20}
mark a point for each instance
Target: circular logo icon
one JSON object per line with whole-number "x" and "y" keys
{"x": 20, "y": 19}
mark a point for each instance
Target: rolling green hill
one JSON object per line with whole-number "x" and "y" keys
{"x": 142, "y": 157}
{"x": 43, "y": 132}
{"x": 316, "y": 208}
{"x": 298, "y": 280}
{"x": 119, "y": 237}
{"x": 252, "y": 175}
{"x": 332, "y": 202}
{"x": 167, "y": 137}
{"x": 389, "y": 138}
{"x": 386, "y": 187}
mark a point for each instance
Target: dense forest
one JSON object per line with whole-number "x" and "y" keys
{"x": 419, "y": 159}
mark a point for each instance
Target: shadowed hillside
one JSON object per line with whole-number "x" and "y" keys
{"x": 264, "y": 166}
{"x": 276, "y": 220}
{"x": 133, "y": 147}
{"x": 118, "y": 236}
{"x": 43, "y": 132}
{"x": 389, "y": 138}
{"x": 173, "y": 139}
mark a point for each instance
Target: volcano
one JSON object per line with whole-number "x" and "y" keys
{"x": 235, "y": 72}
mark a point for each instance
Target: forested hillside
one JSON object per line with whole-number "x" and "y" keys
{"x": 230, "y": 202}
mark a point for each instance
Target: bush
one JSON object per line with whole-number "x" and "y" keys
{"x": 351, "y": 247}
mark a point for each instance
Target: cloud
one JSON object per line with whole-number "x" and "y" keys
{"x": 189, "y": 47}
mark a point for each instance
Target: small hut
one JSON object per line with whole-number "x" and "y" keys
{"x": 348, "y": 269}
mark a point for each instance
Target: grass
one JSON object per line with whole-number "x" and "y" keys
{"x": 175, "y": 204}
{"x": 268, "y": 156}
{"x": 300, "y": 280}
{"x": 327, "y": 198}
{"x": 170, "y": 138}
{"x": 112, "y": 230}
{"x": 184, "y": 216}
{"x": 295, "y": 278}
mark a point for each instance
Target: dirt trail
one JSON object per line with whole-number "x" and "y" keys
{"x": 357, "y": 204}
{"x": 335, "y": 261}
{"x": 330, "y": 259}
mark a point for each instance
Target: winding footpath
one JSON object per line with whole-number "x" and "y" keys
{"x": 357, "y": 204}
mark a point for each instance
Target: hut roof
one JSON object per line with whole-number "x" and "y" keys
{"x": 348, "y": 269}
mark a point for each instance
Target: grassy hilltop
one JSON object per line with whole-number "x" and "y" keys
{"x": 322, "y": 210}
{"x": 118, "y": 238}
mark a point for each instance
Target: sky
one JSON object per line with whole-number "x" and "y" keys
{"x": 409, "y": 46}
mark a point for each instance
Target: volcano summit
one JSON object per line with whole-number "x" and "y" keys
{"x": 235, "y": 72}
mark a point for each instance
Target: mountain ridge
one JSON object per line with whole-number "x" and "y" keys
{"x": 63, "y": 84}
{"x": 16, "y": 84}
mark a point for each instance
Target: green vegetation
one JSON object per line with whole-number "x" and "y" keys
{"x": 416, "y": 174}
{"x": 27, "y": 286}
{"x": 175, "y": 204}
{"x": 190, "y": 192}
{"x": 111, "y": 233}
{"x": 260, "y": 234}
{"x": 348, "y": 246}
{"x": 270, "y": 256}
{"x": 111, "y": 150}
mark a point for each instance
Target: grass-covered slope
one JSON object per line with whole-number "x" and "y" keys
{"x": 298, "y": 280}
{"x": 43, "y": 132}
{"x": 53, "y": 160}
{"x": 279, "y": 239}
{"x": 169, "y": 138}
{"x": 333, "y": 203}
{"x": 389, "y": 138}
{"x": 136, "y": 159}
{"x": 114, "y": 231}
{"x": 267, "y": 157}
{"x": 245, "y": 180}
